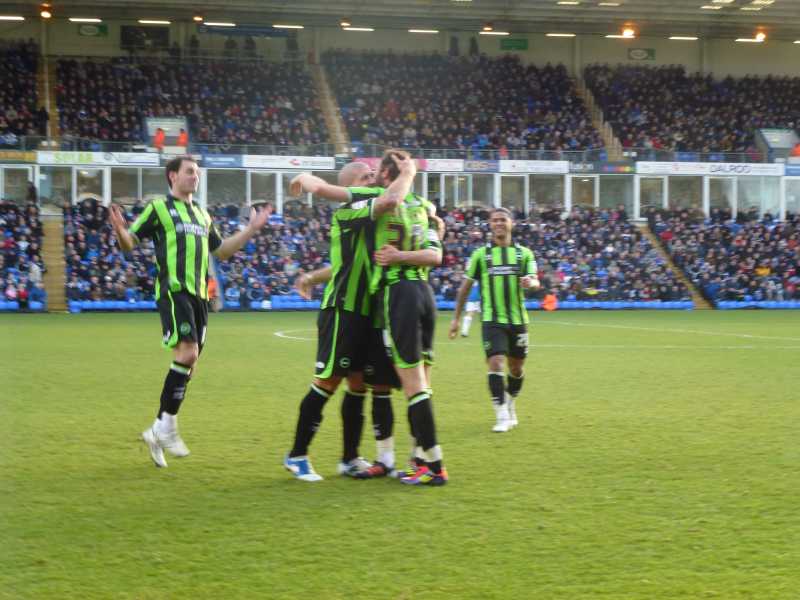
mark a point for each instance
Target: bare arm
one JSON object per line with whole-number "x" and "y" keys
{"x": 126, "y": 241}
{"x": 389, "y": 255}
{"x": 461, "y": 299}
{"x": 308, "y": 183}
{"x": 305, "y": 282}
{"x": 398, "y": 189}
{"x": 232, "y": 244}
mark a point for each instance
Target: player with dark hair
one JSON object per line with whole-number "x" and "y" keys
{"x": 503, "y": 270}
{"x": 344, "y": 323}
{"x": 183, "y": 235}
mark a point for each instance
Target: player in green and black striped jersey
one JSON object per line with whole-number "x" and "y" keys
{"x": 503, "y": 270}
{"x": 345, "y": 331}
{"x": 183, "y": 236}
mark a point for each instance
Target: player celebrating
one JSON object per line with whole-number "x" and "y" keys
{"x": 183, "y": 235}
{"x": 344, "y": 324}
{"x": 504, "y": 270}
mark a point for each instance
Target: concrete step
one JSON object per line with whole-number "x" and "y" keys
{"x": 53, "y": 255}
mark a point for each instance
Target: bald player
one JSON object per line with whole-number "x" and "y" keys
{"x": 344, "y": 325}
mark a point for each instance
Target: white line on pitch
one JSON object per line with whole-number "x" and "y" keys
{"x": 662, "y": 330}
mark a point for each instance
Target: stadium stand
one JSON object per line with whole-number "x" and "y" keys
{"x": 738, "y": 262}
{"x": 21, "y": 265}
{"x": 225, "y": 102}
{"x": 589, "y": 258}
{"x": 467, "y": 103}
{"x": 664, "y": 108}
{"x": 19, "y": 114}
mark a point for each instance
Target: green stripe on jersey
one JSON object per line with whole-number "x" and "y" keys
{"x": 190, "y": 278}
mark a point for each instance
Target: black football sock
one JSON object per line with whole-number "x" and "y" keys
{"x": 515, "y": 384}
{"x": 174, "y": 389}
{"x": 352, "y": 423}
{"x": 382, "y": 416}
{"x": 309, "y": 420}
{"x": 496, "y": 388}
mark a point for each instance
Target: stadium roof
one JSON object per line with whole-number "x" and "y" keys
{"x": 780, "y": 19}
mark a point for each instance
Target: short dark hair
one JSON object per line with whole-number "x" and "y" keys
{"x": 501, "y": 209}
{"x": 174, "y": 165}
{"x": 388, "y": 163}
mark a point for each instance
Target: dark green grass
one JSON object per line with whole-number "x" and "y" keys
{"x": 658, "y": 456}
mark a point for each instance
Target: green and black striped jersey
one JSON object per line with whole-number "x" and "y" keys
{"x": 498, "y": 270}
{"x": 350, "y": 260}
{"x": 408, "y": 229}
{"x": 183, "y": 235}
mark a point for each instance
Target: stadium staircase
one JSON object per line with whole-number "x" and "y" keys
{"x": 46, "y": 93}
{"x": 53, "y": 255}
{"x": 330, "y": 111}
{"x": 700, "y": 303}
{"x": 612, "y": 143}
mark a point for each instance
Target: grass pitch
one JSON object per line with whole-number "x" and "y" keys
{"x": 657, "y": 457}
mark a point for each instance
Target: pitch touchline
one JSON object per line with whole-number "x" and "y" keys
{"x": 695, "y": 331}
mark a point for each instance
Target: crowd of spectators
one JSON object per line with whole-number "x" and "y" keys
{"x": 588, "y": 255}
{"x": 21, "y": 265}
{"x": 664, "y": 108}
{"x": 747, "y": 258}
{"x": 96, "y": 268}
{"x": 290, "y": 243}
{"x": 224, "y": 102}
{"x": 19, "y": 114}
{"x": 469, "y": 103}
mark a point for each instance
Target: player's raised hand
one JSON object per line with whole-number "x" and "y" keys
{"x": 439, "y": 223}
{"x": 296, "y": 185}
{"x": 388, "y": 255}
{"x": 117, "y": 218}
{"x": 453, "y": 331}
{"x": 405, "y": 165}
{"x": 259, "y": 218}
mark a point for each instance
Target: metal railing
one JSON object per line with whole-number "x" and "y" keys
{"x": 356, "y": 149}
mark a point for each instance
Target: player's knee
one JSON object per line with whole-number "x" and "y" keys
{"x": 187, "y": 354}
{"x": 497, "y": 363}
{"x": 355, "y": 383}
{"x": 328, "y": 384}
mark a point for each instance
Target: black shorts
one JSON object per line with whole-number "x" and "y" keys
{"x": 342, "y": 339}
{"x": 184, "y": 317}
{"x": 409, "y": 320}
{"x": 379, "y": 369}
{"x": 510, "y": 340}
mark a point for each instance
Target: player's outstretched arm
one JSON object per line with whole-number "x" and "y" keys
{"x": 311, "y": 184}
{"x": 232, "y": 244}
{"x": 305, "y": 282}
{"x": 120, "y": 226}
{"x": 461, "y": 299}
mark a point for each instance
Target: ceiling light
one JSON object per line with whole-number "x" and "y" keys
{"x": 488, "y": 27}
{"x": 684, "y": 38}
{"x": 711, "y": 7}
{"x": 753, "y": 8}
{"x": 761, "y": 36}
{"x": 358, "y": 29}
{"x": 628, "y": 32}
{"x": 749, "y": 40}
{"x": 85, "y": 20}
{"x": 423, "y": 31}
{"x": 150, "y": 22}
{"x": 608, "y": 4}
{"x": 345, "y": 23}
{"x": 560, "y": 34}
{"x": 279, "y": 26}
{"x": 219, "y": 24}
{"x": 11, "y": 18}
{"x": 721, "y": 1}
{"x": 494, "y": 33}
{"x": 45, "y": 14}
{"x": 616, "y": 36}
{"x": 197, "y": 19}
{"x": 796, "y": 42}
{"x": 568, "y": 2}
{"x": 763, "y": 2}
